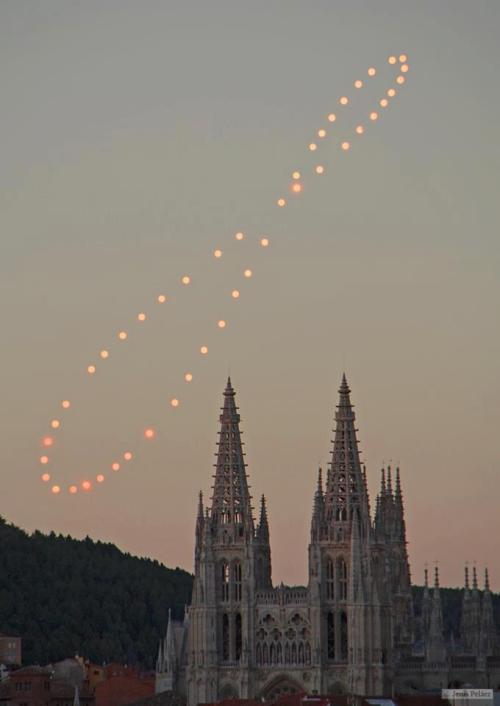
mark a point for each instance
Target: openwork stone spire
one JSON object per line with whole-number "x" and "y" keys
{"x": 231, "y": 512}
{"x": 345, "y": 488}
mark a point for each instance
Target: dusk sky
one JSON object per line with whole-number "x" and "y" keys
{"x": 139, "y": 136}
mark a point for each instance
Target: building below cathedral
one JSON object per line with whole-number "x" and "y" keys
{"x": 352, "y": 630}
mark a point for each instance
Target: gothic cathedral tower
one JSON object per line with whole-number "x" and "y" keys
{"x": 232, "y": 562}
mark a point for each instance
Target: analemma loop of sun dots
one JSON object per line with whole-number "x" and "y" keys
{"x": 296, "y": 188}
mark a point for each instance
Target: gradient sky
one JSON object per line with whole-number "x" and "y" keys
{"x": 136, "y": 136}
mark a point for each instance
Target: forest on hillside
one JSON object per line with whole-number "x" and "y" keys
{"x": 65, "y": 596}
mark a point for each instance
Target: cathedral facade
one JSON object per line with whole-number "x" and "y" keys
{"x": 352, "y": 630}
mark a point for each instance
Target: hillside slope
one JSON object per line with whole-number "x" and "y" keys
{"x": 66, "y": 596}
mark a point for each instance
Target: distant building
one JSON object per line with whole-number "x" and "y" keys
{"x": 36, "y": 686}
{"x": 351, "y": 630}
{"x": 10, "y": 650}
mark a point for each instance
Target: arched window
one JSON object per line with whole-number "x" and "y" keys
{"x": 287, "y": 653}
{"x": 279, "y": 653}
{"x": 330, "y": 635}
{"x": 301, "y": 653}
{"x": 258, "y": 654}
{"x": 343, "y": 636}
{"x": 238, "y": 641}
{"x": 225, "y": 637}
{"x": 330, "y": 591}
{"x": 224, "y": 575}
{"x": 272, "y": 653}
{"x": 237, "y": 581}
{"x": 342, "y": 579}
{"x": 308, "y": 653}
{"x": 294, "y": 653}
{"x": 265, "y": 654}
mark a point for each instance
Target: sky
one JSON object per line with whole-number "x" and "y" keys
{"x": 138, "y": 137}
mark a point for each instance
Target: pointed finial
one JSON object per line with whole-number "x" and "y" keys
{"x": 466, "y": 577}
{"x": 229, "y": 388}
{"x": 398, "y": 481}
{"x": 426, "y": 575}
{"x": 382, "y": 483}
{"x": 389, "y": 480}
{"x": 200, "y": 505}
{"x": 436, "y": 576}
{"x": 486, "y": 580}
{"x": 474, "y": 578}
{"x": 320, "y": 481}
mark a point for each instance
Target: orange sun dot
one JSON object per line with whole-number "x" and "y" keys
{"x": 100, "y": 478}
{"x": 86, "y": 485}
{"x": 141, "y": 316}
{"x": 384, "y": 103}
{"x": 264, "y": 242}
{"x": 392, "y": 60}
{"x": 358, "y": 84}
{"x": 127, "y": 455}
{"x": 321, "y": 133}
{"x": 391, "y": 92}
{"x": 400, "y": 80}
{"x": 217, "y": 253}
{"x": 48, "y": 441}
{"x": 313, "y": 146}
{"x": 174, "y": 402}
{"x": 204, "y": 350}
{"x": 373, "y": 116}
{"x": 235, "y": 294}
{"x": 46, "y": 477}
{"x": 281, "y": 202}
{"x": 91, "y": 369}
{"x": 372, "y": 71}
{"x": 73, "y": 489}
{"x": 296, "y": 187}
{"x": 149, "y": 433}
{"x": 404, "y": 69}
{"x": 161, "y": 299}
{"x": 55, "y": 424}
{"x": 332, "y": 117}
{"x": 345, "y": 146}
{"x": 65, "y": 404}
{"x": 239, "y": 236}
{"x": 247, "y": 273}
{"x": 360, "y": 129}
{"x": 56, "y": 489}
{"x": 344, "y": 100}
{"x": 403, "y": 58}
{"x": 104, "y": 354}
{"x": 186, "y": 279}
{"x": 115, "y": 466}
{"x": 188, "y": 377}
{"x": 320, "y": 169}
{"x": 221, "y": 323}
{"x": 44, "y": 460}
{"x": 123, "y": 335}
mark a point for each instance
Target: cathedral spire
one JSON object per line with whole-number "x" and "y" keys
{"x": 263, "y": 528}
{"x": 435, "y": 646}
{"x": 488, "y": 640}
{"x": 231, "y": 511}
{"x": 345, "y": 487}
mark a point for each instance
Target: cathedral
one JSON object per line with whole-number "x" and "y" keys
{"x": 353, "y": 629}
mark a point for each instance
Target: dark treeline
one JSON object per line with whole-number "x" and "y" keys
{"x": 65, "y": 596}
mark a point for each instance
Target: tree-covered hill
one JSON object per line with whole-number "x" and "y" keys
{"x": 65, "y": 596}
